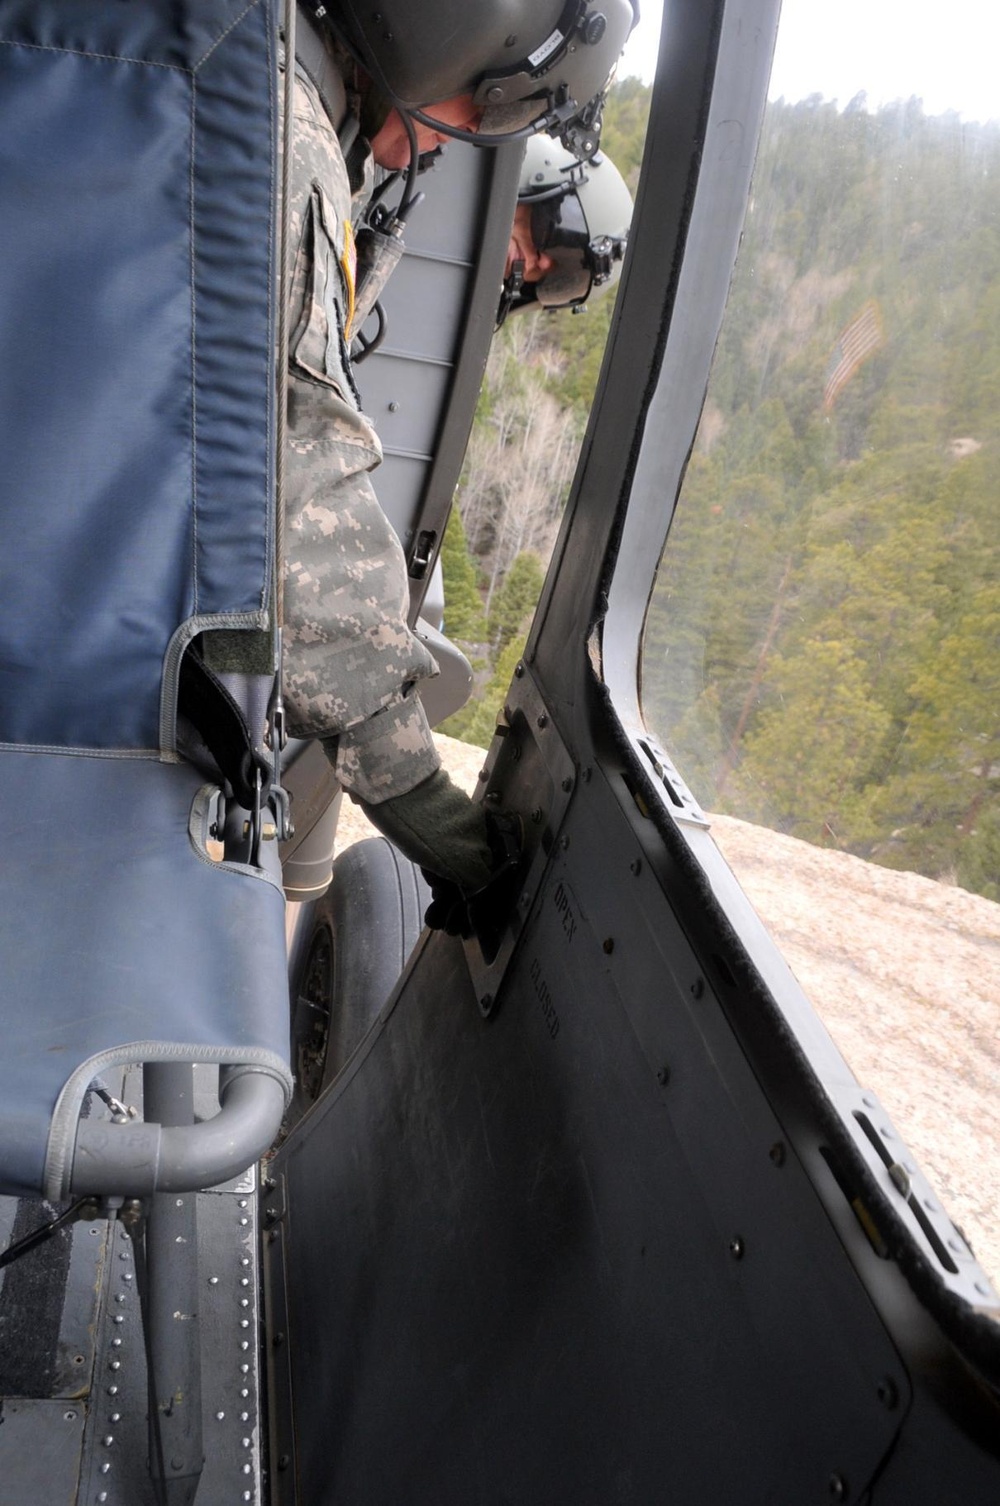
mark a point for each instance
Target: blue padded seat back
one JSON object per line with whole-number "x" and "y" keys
{"x": 136, "y": 386}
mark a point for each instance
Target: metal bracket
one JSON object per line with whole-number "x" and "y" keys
{"x": 908, "y": 1191}
{"x": 527, "y": 756}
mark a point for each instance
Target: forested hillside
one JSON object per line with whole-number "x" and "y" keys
{"x": 823, "y": 643}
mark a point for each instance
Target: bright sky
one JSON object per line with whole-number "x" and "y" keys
{"x": 949, "y": 55}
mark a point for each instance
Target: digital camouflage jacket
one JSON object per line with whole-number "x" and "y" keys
{"x": 351, "y": 663}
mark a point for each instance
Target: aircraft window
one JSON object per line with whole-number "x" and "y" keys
{"x": 821, "y": 655}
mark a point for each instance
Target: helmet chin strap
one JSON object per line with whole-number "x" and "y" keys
{"x": 552, "y": 122}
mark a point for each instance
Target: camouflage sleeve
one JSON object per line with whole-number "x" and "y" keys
{"x": 389, "y": 754}
{"x": 349, "y": 655}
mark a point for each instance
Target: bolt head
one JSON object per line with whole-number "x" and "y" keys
{"x": 594, "y": 28}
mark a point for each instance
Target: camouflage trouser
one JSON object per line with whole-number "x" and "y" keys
{"x": 350, "y": 661}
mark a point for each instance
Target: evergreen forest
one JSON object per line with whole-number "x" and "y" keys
{"x": 822, "y": 647}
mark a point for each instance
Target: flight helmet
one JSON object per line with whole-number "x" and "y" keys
{"x": 580, "y": 214}
{"x": 530, "y": 64}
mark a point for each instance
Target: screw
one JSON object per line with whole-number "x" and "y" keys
{"x": 69, "y": 1416}
{"x": 394, "y": 407}
{"x": 698, "y": 987}
{"x": 900, "y": 1178}
{"x": 542, "y": 720}
{"x": 635, "y": 866}
{"x": 608, "y": 945}
{"x": 277, "y": 1341}
{"x": 487, "y": 1001}
{"x": 567, "y": 785}
{"x": 737, "y": 1247}
{"x": 887, "y": 1393}
{"x": 536, "y": 816}
{"x": 564, "y": 843}
{"x": 518, "y": 671}
{"x": 663, "y": 1076}
{"x": 777, "y": 1153}
{"x": 284, "y": 1461}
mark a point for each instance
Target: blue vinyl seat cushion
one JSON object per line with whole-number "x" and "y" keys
{"x": 127, "y": 944}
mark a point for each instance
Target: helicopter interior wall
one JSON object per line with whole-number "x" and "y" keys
{"x": 421, "y": 384}
{"x": 562, "y": 1226}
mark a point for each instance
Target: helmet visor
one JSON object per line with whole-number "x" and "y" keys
{"x": 559, "y": 230}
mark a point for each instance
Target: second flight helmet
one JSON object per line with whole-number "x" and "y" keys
{"x": 529, "y": 64}
{"x": 579, "y": 215}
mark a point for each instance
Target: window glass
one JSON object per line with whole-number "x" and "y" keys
{"x": 822, "y": 649}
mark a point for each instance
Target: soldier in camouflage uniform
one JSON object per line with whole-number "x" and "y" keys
{"x": 352, "y": 667}
{"x": 351, "y": 663}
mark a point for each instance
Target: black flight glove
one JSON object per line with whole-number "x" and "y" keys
{"x": 469, "y": 854}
